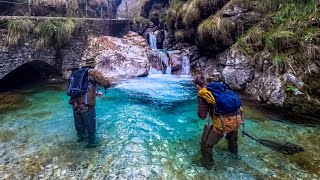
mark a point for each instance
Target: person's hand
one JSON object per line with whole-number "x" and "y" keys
{"x": 99, "y": 93}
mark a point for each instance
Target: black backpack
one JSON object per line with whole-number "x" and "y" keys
{"x": 78, "y": 82}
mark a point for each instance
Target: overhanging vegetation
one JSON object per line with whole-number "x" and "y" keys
{"x": 48, "y": 32}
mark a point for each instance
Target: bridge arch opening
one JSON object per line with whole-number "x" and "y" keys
{"x": 29, "y": 73}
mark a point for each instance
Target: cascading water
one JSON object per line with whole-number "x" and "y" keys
{"x": 185, "y": 65}
{"x": 152, "y": 40}
{"x": 162, "y": 57}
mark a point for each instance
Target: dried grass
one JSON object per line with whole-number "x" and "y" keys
{"x": 18, "y": 29}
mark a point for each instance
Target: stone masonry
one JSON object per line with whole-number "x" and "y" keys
{"x": 13, "y": 57}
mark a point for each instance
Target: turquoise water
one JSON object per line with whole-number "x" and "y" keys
{"x": 149, "y": 130}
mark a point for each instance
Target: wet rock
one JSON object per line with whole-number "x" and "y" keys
{"x": 168, "y": 39}
{"x": 176, "y": 59}
{"x": 215, "y": 76}
{"x": 194, "y": 53}
{"x": 2, "y": 152}
{"x": 160, "y": 34}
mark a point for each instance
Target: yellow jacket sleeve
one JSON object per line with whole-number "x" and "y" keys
{"x": 207, "y": 95}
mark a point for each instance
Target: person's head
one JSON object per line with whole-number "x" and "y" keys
{"x": 90, "y": 62}
{"x": 200, "y": 82}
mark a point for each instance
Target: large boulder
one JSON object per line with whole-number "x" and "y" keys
{"x": 120, "y": 58}
{"x": 267, "y": 88}
{"x": 237, "y": 71}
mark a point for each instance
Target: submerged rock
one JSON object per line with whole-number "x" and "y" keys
{"x": 12, "y": 101}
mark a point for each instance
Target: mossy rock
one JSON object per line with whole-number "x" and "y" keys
{"x": 312, "y": 85}
{"x": 300, "y": 105}
{"x": 12, "y": 101}
{"x": 40, "y": 116}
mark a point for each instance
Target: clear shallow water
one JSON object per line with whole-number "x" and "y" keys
{"x": 149, "y": 130}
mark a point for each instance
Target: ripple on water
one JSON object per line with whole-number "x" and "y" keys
{"x": 149, "y": 130}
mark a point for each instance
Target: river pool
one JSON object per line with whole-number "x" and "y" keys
{"x": 149, "y": 130}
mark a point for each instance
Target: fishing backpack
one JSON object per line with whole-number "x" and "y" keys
{"x": 226, "y": 100}
{"x": 78, "y": 82}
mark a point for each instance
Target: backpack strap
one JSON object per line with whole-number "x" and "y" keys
{"x": 208, "y": 132}
{"x": 86, "y": 95}
{"x": 222, "y": 118}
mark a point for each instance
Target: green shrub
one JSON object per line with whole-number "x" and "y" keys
{"x": 280, "y": 61}
{"x": 277, "y": 40}
{"x": 251, "y": 42}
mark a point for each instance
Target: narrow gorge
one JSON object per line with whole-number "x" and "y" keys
{"x": 152, "y": 51}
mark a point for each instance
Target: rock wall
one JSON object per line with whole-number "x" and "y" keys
{"x": 50, "y": 8}
{"x": 240, "y": 73}
{"x": 71, "y": 54}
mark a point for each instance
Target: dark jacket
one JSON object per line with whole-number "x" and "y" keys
{"x": 82, "y": 103}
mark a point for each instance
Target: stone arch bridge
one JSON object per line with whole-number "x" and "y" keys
{"x": 69, "y": 57}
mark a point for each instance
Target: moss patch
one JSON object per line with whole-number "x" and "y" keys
{"x": 312, "y": 86}
{"x": 302, "y": 106}
{"x": 308, "y": 105}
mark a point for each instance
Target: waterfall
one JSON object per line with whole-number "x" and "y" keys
{"x": 152, "y": 40}
{"x": 163, "y": 63}
{"x": 163, "y": 58}
{"x": 185, "y": 65}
